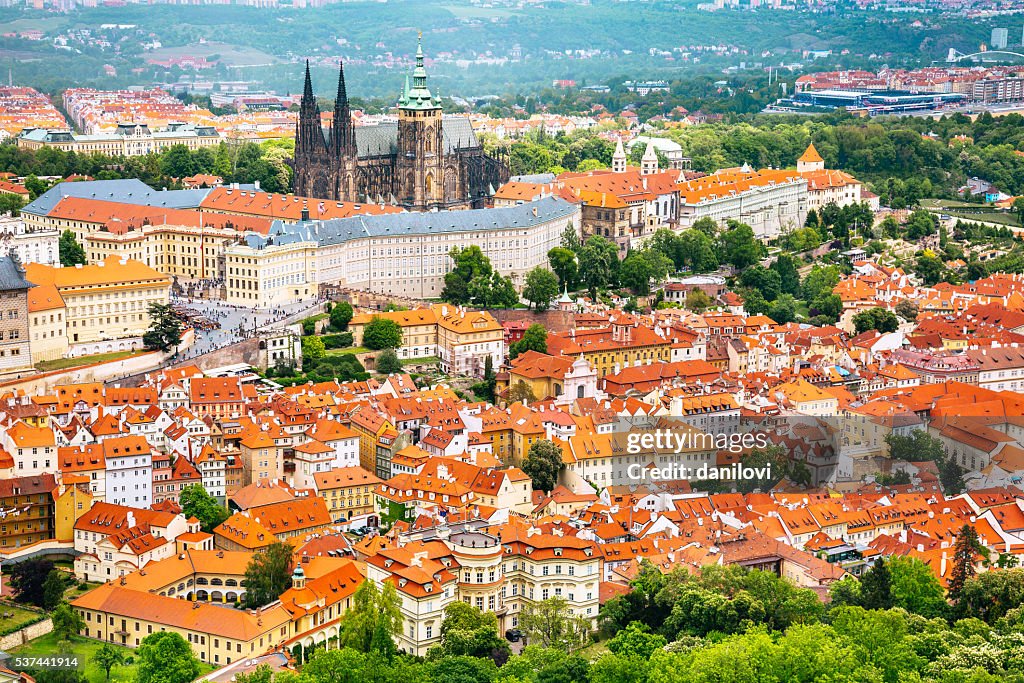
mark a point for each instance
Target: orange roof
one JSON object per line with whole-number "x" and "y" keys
{"x": 114, "y": 273}
{"x": 285, "y": 207}
{"x": 810, "y": 155}
{"x": 44, "y": 298}
{"x": 118, "y": 218}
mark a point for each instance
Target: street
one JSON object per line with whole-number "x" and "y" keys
{"x": 237, "y": 322}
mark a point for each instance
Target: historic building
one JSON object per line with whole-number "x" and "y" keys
{"x": 424, "y": 161}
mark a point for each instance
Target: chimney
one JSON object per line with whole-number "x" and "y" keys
{"x": 305, "y": 212}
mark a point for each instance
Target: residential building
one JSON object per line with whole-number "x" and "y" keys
{"x": 27, "y": 504}
{"x": 350, "y": 494}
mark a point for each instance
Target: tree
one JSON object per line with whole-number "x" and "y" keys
{"x": 382, "y": 333}
{"x": 373, "y": 620}
{"x": 11, "y": 204}
{"x": 907, "y": 309}
{"x": 462, "y": 669}
{"x": 920, "y": 224}
{"x": 876, "y": 587}
{"x": 165, "y": 657}
{"x": 915, "y": 587}
{"x": 69, "y": 250}
{"x": 268, "y": 574}
{"x": 641, "y": 267}
{"x": 598, "y": 260}
{"x": 519, "y": 392}
{"x": 313, "y": 350}
{"x": 177, "y": 162}
{"x": 542, "y": 464}
{"x": 918, "y": 446}
{"x": 196, "y": 502}
{"x": 879, "y": 319}
{"x": 964, "y": 568}
{"x": 1018, "y": 208}
{"x": 53, "y": 588}
{"x": 541, "y": 287}
{"x": 789, "y": 279}
{"x": 738, "y": 245}
{"x": 67, "y": 623}
{"x": 35, "y": 186}
{"x": 929, "y": 267}
{"x": 994, "y": 596}
{"x": 27, "y": 580}
{"x": 697, "y": 250}
{"x": 563, "y": 263}
{"x": 534, "y": 339}
{"x": 467, "y": 631}
{"x": 765, "y": 280}
{"x": 107, "y": 657}
{"x": 821, "y": 280}
{"x": 387, "y": 362}
{"x": 551, "y": 623}
{"x": 471, "y": 265}
{"x": 636, "y": 640}
{"x": 698, "y": 301}
{"x": 341, "y": 315}
{"x": 165, "y": 328}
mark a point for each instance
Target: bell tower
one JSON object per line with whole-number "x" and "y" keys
{"x": 420, "y": 163}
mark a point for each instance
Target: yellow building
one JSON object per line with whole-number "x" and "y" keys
{"x": 177, "y": 250}
{"x": 623, "y": 343}
{"x": 107, "y": 303}
{"x": 47, "y": 322}
{"x": 419, "y": 330}
{"x": 348, "y": 492}
{"x": 272, "y": 275}
{"x": 72, "y": 500}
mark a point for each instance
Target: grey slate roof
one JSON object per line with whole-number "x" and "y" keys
{"x": 382, "y": 138}
{"x": 130, "y": 191}
{"x": 539, "y": 178}
{"x": 12, "y": 277}
{"x": 341, "y": 230}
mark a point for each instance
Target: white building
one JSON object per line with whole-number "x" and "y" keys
{"x": 129, "y": 471}
{"x": 31, "y": 245}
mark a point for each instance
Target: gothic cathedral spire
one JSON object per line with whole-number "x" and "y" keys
{"x": 343, "y": 139}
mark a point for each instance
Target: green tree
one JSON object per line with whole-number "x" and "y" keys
{"x": 765, "y": 280}
{"x": 35, "y": 186}
{"x": 373, "y": 613}
{"x": 106, "y": 658}
{"x": 11, "y": 204}
{"x": 541, "y": 287}
{"x": 598, "y": 262}
{"x": 461, "y": 669}
{"x": 993, "y": 596}
{"x": 341, "y": 315}
{"x": 964, "y": 567}
{"x": 388, "y": 362}
{"x": 165, "y": 657}
{"x": 1018, "y": 208}
{"x": 918, "y": 446}
{"x": 67, "y": 623}
{"x": 636, "y": 640}
{"x": 53, "y": 588}
{"x": 697, "y": 250}
{"x": 907, "y": 309}
{"x": 69, "y": 250}
{"x": 543, "y": 463}
{"x": 535, "y": 338}
{"x": 382, "y": 333}
{"x": 789, "y": 279}
{"x": 929, "y": 267}
{"x": 519, "y": 392}
{"x": 268, "y": 574}
{"x": 471, "y": 264}
{"x": 563, "y": 263}
{"x": 641, "y": 267}
{"x": 551, "y": 623}
{"x": 915, "y": 587}
{"x": 313, "y": 350}
{"x": 821, "y": 280}
{"x": 165, "y": 328}
{"x": 879, "y": 319}
{"x": 467, "y": 631}
{"x": 739, "y": 247}
{"x": 698, "y": 301}
{"x": 27, "y": 580}
{"x": 196, "y": 502}
{"x": 876, "y": 587}
{"x": 177, "y": 162}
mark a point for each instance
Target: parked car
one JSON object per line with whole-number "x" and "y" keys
{"x": 513, "y": 635}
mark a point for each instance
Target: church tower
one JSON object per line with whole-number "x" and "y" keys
{"x": 343, "y": 144}
{"x": 649, "y": 162}
{"x": 421, "y": 158}
{"x": 313, "y": 173}
{"x": 619, "y": 158}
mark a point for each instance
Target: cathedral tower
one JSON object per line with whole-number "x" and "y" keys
{"x": 343, "y": 144}
{"x": 421, "y": 154}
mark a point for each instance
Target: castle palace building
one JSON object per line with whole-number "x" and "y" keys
{"x": 424, "y": 161}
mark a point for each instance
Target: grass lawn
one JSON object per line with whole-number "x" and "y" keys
{"x": 975, "y": 212}
{"x": 74, "y": 591}
{"x": 19, "y": 617}
{"x": 65, "y": 363}
{"x": 346, "y": 352}
{"x": 85, "y": 648}
{"x": 427, "y": 360}
{"x": 593, "y": 651}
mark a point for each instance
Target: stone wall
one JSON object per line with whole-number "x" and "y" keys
{"x": 552, "y": 320}
{"x": 30, "y": 632}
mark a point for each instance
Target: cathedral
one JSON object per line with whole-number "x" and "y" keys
{"x": 424, "y": 161}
